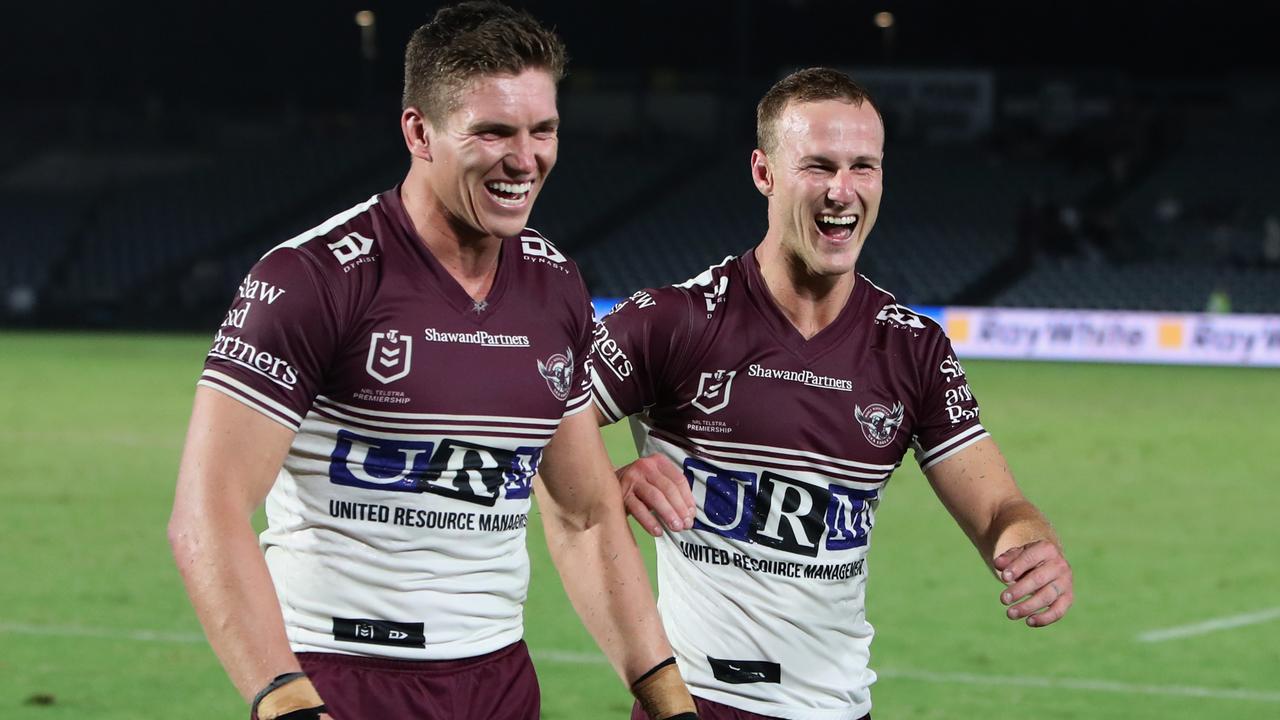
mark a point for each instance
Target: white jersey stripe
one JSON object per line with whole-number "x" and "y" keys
{"x": 604, "y": 400}
{"x": 323, "y": 401}
{"x": 325, "y": 226}
{"x": 787, "y": 452}
{"x": 865, "y": 482}
{"x": 250, "y": 392}
{"x": 927, "y": 455}
{"x": 235, "y": 395}
{"x": 926, "y": 465}
{"x": 578, "y": 404}
{"x": 422, "y": 428}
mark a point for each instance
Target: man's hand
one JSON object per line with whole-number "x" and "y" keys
{"x": 1039, "y": 579}
{"x": 655, "y": 492}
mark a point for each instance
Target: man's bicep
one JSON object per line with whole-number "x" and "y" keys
{"x": 575, "y": 463}
{"x": 232, "y": 454}
{"x": 974, "y": 484}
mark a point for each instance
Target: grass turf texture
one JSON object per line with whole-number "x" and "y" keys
{"x": 1162, "y": 481}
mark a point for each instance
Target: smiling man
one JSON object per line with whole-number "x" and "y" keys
{"x": 776, "y": 393}
{"x": 390, "y": 382}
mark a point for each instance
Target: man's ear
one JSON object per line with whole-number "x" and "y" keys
{"x": 417, "y": 130}
{"x": 761, "y": 173}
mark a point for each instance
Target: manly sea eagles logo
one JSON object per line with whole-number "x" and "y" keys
{"x": 713, "y": 390}
{"x": 558, "y": 372}
{"x": 389, "y": 356}
{"x": 878, "y": 422}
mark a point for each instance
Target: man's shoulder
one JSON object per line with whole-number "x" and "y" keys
{"x": 339, "y": 245}
{"x": 540, "y": 258}
{"x": 894, "y": 323}
{"x": 684, "y": 302}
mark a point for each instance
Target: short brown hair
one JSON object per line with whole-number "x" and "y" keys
{"x": 468, "y": 40}
{"x": 808, "y": 85}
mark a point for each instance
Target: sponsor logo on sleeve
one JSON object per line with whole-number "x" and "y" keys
{"x": 390, "y": 356}
{"x": 951, "y": 368}
{"x": 642, "y": 299}
{"x": 610, "y": 353}
{"x": 879, "y": 423}
{"x": 713, "y": 390}
{"x": 958, "y": 398}
{"x": 246, "y": 355}
{"x": 251, "y": 289}
{"x": 352, "y": 250}
{"x": 557, "y": 370}
{"x": 236, "y": 316}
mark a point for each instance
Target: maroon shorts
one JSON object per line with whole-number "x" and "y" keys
{"x": 708, "y": 710}
{"x": 498, "y": 686}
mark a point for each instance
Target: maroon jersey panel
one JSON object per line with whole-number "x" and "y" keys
{"x": 715, "y": 358}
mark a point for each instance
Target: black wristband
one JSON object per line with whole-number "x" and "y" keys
{"x": 683, "y": 716}
{"x": 652, "y": 670}
{"x": 279, "y": 682}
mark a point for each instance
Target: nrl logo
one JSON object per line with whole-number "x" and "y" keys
{"x": 879, "y": 423}
{"x": 389, "y": 356}
{"x": 558, "y": 372}
{"x": 713, "y": 390}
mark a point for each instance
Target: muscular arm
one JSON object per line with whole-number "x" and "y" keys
{"x": 1012, "y": 536}
{"x": 592, "y": 547}
{"x": 230, "y": 461}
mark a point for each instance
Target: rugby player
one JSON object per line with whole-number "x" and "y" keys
{"x": 389, "y": 382}
{"x": 775, "y": 394}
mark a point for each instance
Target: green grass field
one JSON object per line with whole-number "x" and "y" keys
{"x": 1162, "y": 481}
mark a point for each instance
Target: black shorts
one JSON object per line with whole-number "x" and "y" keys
{"x": 498, "y": 686}
{"x": 708, "y": 710}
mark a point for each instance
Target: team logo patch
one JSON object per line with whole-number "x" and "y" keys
{"x": 558, "y": 372}
{"x": 879, "y": 423}
{"x": 713, "y": 390}
{"x": 390, "y": 355}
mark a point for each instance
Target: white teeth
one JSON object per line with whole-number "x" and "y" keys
{"x": 513, "y": 188}
{"x": 838, "y": 220}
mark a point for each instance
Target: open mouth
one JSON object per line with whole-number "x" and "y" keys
{"x": 836, "y": 227}
{"x": 509, "y": 194}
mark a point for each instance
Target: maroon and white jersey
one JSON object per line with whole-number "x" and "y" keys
{"x": 397, "y": 524}
{"x": 787, "y": 445}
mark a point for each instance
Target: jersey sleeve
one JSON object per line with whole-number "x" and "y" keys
{"x": 274, "y": 344}
{"x": 634, "y": 351}
{"x": 948, "y": 418}
{"x": 580, "y": 395}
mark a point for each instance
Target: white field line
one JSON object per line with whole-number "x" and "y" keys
{"x": 575, "y": 657}
{"x": 1209, "y": 626}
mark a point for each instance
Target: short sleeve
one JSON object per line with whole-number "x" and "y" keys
{"x": 948, "y": 418}
{"x": 633, "y": 350}
{"x": 580, "y": 398}
{"x": 277, "y": 339}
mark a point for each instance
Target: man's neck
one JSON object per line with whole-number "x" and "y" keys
{"x": 469, "y": 256}
{"x": 811, "y": 302}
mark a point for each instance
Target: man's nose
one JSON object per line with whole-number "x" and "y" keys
{"x": 844, "y": 187}
{"x": 520, "y": 156}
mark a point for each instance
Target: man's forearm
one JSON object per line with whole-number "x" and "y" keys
{"x": 230, "y": 587}
{"x": 607, "y": 583}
